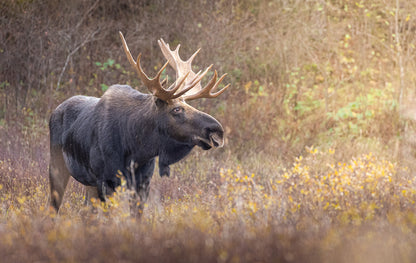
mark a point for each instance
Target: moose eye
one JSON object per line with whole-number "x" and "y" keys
{"x": 177, "y": 110}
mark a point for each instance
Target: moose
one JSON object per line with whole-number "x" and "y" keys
{"x": 95, "y": 139}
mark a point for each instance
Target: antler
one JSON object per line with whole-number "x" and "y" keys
{"x": 206, "y": 91}
{"x": 176, "y": 62}
{"x": 154, "y": 85}
{"x": 181, "y": 67}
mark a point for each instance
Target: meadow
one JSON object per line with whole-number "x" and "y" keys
{"x": 318, "y": 209}
{"x": 319, "y": 160}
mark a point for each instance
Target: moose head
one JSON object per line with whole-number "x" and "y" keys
{"x": 183, "y": 122}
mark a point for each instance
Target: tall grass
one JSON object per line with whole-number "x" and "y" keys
{"x": 317, "y": 209}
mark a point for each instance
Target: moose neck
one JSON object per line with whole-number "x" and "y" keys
{"x": 148, "y": 135}
{"x": 142, "y": 140}
{"x": 170, "y": 152}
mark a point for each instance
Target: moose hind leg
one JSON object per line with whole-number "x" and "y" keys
{"x": 58, "y": 177}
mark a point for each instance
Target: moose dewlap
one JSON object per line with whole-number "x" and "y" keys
{"x": 93, "y": 139}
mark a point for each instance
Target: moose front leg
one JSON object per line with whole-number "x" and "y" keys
{"x": 109, "y": 177}
{"x": 106, "y": 188}
{"x": 164, "y": 170}
{"x": 142, "y": 176}
{"x": 90, "y": 193}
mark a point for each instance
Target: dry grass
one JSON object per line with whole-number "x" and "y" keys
{"x": 319, "y": 209}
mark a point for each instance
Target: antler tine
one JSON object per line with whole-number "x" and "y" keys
{"x": 153, "y": 84}
{"x": 187, "y": 88}
{"x": 126, "y": 50}
{"x": 193, "y": 56}
{"x": 194, "y": 81}
{"x": 194, "y": 78}
{"x": 136, "y": 64}
{"x": 177, "y": 49}
{"x": 198, "y": 78}
{"x": 159, "y": 73}
{"x": 167, "y": 53}
{"x": 206, "y": 91}
{"x": 175, "y": 86}
{"x": 164, "y": 81}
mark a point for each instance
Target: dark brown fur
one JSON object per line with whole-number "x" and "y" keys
{"x": 93, "y": 139}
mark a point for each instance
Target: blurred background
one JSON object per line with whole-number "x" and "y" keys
{"x": 339, "y": 73}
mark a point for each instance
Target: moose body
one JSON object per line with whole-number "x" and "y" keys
{"x": 97, "y": 140}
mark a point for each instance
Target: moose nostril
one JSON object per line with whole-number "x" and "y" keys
{"x": 214, "y": 129}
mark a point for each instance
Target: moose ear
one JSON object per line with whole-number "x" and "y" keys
{"x": 160, "y": 103}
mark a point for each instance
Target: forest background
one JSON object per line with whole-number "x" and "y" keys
{"x": 319, "y": 158}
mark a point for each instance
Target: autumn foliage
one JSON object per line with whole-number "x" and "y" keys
{"x": 319, "y": 159}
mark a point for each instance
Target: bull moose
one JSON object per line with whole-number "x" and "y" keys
{"x": 93, "y": 139}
